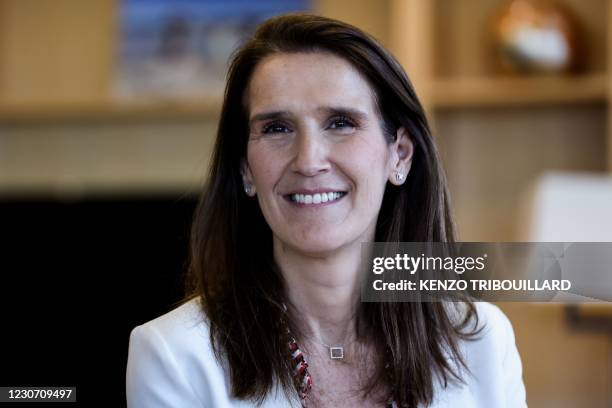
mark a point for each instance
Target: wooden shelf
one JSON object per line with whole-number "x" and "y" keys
{"x": 444, "y": 94}
{"x": 108, "y": 110}
{"x": 509, "y": 91}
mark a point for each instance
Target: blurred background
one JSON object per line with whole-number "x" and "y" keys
{"x": 108, "y": 112}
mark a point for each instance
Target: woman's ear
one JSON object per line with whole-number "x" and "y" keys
{"x": 247, "y": 178}
{"x": 401, "y": 159}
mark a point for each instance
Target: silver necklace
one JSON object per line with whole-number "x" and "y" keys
{"x": 335, "y": 352}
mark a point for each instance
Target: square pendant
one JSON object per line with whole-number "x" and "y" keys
{"x": 336, "y": 353}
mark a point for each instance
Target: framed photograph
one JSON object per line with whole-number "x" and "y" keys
{"x": 181, "y": 48}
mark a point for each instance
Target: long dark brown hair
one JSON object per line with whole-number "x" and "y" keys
{"x": 232, "y": 267}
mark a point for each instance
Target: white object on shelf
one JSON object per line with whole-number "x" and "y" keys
{"x": 571, "y": 207}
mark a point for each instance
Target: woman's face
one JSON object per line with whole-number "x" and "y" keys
{"x": 317, "y": 158}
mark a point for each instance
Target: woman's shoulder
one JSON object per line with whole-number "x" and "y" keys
{"x": 184, "y": 331}
{"x": 186, "y": 319}
{"x": 493, "y": 372}
{"x": 496, "y": 334}
{"x": 171, "y": 363}
{"x": 488, "y": 330}
{"x": 170, "y": 360}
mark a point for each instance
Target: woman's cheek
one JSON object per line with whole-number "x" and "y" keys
{"x": 263, "y": 164}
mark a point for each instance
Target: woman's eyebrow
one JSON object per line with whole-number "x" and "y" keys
{"x": 344, "y": 111}
{"x": 327, "y": 110}
{"x": 268, "y": 115}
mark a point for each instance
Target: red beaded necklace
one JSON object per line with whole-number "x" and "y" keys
{"x": 303, "y": 377}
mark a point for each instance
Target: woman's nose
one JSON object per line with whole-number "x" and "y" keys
{"x": 311, "y": 154}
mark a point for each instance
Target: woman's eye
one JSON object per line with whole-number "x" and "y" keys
{"x": 341, "y": 123}
{"x": 276, "y": 128}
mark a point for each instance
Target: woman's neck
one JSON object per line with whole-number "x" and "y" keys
{"x": 323, "y": 290}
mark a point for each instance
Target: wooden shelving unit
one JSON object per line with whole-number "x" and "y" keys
{"x": 517, "y": 91}
{"x": 497, "y": 134}
{"x": 443, "y": 45}
{"x": 109, "y": 110}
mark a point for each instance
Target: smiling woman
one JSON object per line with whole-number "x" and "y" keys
{"x": 322, "y": 145}
{"x": 315, "y": 134}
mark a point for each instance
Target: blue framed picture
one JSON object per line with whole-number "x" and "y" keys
{"x": 181, "y": 48}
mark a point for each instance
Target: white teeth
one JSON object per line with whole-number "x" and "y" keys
{"x": 316, "y": 198}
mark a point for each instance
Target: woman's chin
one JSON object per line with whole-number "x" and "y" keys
{"x": 320, "y": 241}
{"x": 319, "y": 246}
{"x": 311, "y": 246}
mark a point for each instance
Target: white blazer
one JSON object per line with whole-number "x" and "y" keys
{"x": 171, "y": 364}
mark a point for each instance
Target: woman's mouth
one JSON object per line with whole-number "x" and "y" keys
{"x": 317, "y": 198}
